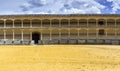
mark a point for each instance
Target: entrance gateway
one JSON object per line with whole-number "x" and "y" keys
{"x": 36, "y": 37}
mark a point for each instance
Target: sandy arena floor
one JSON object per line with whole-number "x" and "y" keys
{"x": 60, "y": 58}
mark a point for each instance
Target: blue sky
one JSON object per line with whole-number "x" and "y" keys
{"x": 59, "y": 7}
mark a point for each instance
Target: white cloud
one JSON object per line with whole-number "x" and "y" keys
{"x": 62, "y": 7}
{"x": 115, "y": 5}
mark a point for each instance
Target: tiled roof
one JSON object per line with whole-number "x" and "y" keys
{"x": 63, "y": 15}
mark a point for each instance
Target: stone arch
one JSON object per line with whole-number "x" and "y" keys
{"x": 1, "y": 23}
{"x": 9, "y": 23}
{"x": 118, "y": 22}
{"x": 110, "y": 22}
{"x": 101, "y": 22}
{"x": 36, "y": 23}
{"x": 17, "y": 23}
{"x": 73, "y": 33}
{"x": 55, "y": 33}
{"x": 45, "y": 34}
{"x": 45, "y": 23}
{"x": 55, "y": 23}
{"x": 64, "y": 22}
{"x": 64, "y": 34}
{"x": 26, "y": 23}
{"x": 92, "y": 22}
{"x": 73, "y": 22}
{"x": 36, "y": 37}
{"x": 83, "y": 22}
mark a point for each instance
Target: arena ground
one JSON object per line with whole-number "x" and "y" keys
{"x": 60, "y": 58}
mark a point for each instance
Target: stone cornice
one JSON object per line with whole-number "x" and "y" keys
{"x": 66, "y": 15}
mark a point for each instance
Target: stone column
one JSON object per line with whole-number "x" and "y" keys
{"x": 87, "y": 23}
{"x": 22, "y": 23}
{"x": 78, "y": 33}
{"x": 106, "y": 32}
{"x": 59, "y": 23}
{"x": 13, "y": 35}
{"x": 96, "y": 33}
{"x": 4, "y": 23}
{"x": 30, "y": 23}
{"x": 59, "y": 34}
{"x": 13, "y": 24}
{"x": 96, "y": 22}
{"x": 41, "y": 24}
{"x": 115, "y": 33}
{"x": 50, "y": 34}
{"x": 115, "y": 29}
{"x": 4, "y": 35}
{"x": 87, "y": 33}
{"x": 78, "y": 22}
{"x": 69, "y": 33}
{"x": 106, "y": 23}
{"x": 30, "y": 35}
{"x": 50, "y": 23}
{"x": 69, "y": 23}
{"x": 41, "y": 35}
{"x": 22, "y": 33}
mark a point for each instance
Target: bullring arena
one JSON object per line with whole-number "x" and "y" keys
{"x": 60, "y": 42}
{"x": 59, "y": 29}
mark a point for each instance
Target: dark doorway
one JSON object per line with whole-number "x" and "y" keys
{"x": 101, "y": 23}
{"x": 36, "y": 37}
{"x": 101, "y": 32}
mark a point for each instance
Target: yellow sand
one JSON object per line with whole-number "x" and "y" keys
{"x": 60, "y": 58}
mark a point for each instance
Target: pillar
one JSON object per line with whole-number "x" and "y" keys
{"x": 68, "y": 22}
{"x": 13, "y": 24}
{"x": 78, "y": 33}
{"x": 96, "y": 33}
{"x": 115, "y": 33}
{"x": 69, "y": 33}
{"x": 30, "y": 23}
{"x": 13, "y": 35}
{"x": 22, "y": 35}
{"x": 59, "y": 34}
{"x": 4, "y": 23}
{"x": 78, "y": 22}
{"x": 106, "y": 32}
{"x": 50, "y": 34}
{"x": 4, "y": 35}
{"x": 115, "y": 23}
{"x": 59, "y": 23}
{"x": 115, "y": 29}
{"x": 41, "y": 35}
{"x": 22, "y": 23}
{"x": 87, "y": 23}
{"x": 106, "y": 22}
{"x": 96, "y": 22}
{"x": 30, "y": 35}
{"x": 87, "y": 33}
{"x": 50, "y": 23}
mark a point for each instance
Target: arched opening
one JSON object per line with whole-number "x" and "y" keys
{"x": 55, "y": 23}
{"x": 36, "y": 37}
{"x": 45, "y": 23}
{"x": 36, "y": 23}
{"x": 92, "y": 22}
{"x": 73, "y": 22}
{"x": 110, "y": 22}
{"x": 26, "y": 23}
{"x": 9, "y": 23}
{"x": 101, "y": 32}
{"x": 2, "y": 23}
{"x": 64, "y": 23}
{"x": 101, "y": 22}
{"x": 82, "y": 23}
{"x": 18, "y": 23}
